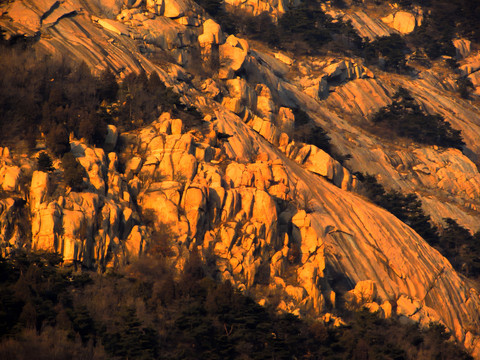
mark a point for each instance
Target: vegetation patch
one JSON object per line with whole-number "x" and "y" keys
{"x": 50, "y": 312}
{"x": 407, "y": 208}
{"x": 444, "y": 20}
{"x": 461, "y": 248}
{"x": 73, "y": 172}
{"x": 306, "y": 30}
{"x": 405, "y": 119}
{"x": 307, "y": 131}
{"x": 56, "y": 98}
{"x": 303, "y": 29}
{"x": 388, "y": 52}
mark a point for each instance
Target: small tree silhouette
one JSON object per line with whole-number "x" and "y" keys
{"x": 73, "y": 172}
{"x": 44, "y": 162}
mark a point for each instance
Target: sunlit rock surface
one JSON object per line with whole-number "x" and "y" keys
{"x": 404, "y": 22}
{"x": 276, "y": 214}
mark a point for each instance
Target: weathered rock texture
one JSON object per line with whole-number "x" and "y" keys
{"x": 272, "y": 213}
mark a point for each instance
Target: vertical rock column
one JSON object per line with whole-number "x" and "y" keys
{"x": 209, "y": 41}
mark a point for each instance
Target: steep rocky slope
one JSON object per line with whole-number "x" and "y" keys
{"x": 272, "y": 214}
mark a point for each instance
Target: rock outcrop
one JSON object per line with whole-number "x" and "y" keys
{"x": 366, "y": 26}
{"x": 404, "y": 22}
{"x": 462, "y": 47}
{"x": 273, "y": 7}
{"x": 272, "y": 214}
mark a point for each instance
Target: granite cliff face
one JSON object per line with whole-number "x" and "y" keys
{"x": 272, "y": 213}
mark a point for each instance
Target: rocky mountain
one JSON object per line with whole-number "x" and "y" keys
{"x": 271, "y": 209}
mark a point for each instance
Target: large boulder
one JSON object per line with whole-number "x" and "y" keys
{"x": 212, "y": 34}
{"x": 266, "y": 128}
{"x": 175, "y": 8}
{"x": 339, "y": 71}
{"x": 462, "y": 47}
{"x": 336, "y": 71}
{"x": 317, "y": 88}
{"x": 233, "y": 104}
{"x": 319, "y": 162}
{"x": 365, "y": 291}
{"x": 265, "y": 103}
{"x": 169, "y": 8}
{"x": 232, "y": 55}
{"x": 404, "y": 21}
{"x": 10, "y": 177}
{"x": 111, "y": 138}
{"x": 154, "y": 6}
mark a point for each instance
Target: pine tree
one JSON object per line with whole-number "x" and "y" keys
{"x": 44, "y": 162}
